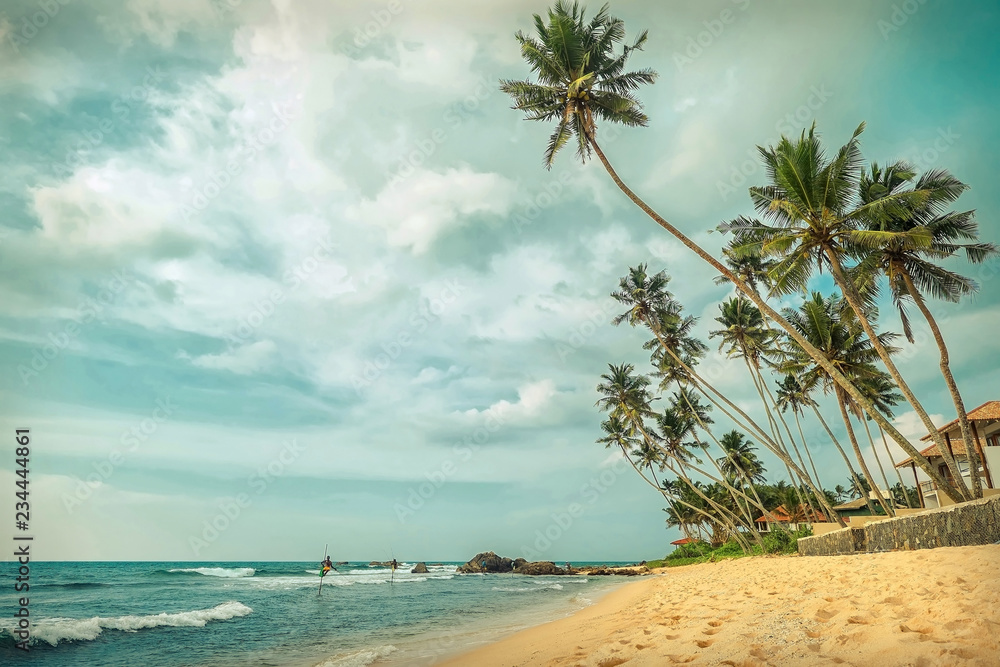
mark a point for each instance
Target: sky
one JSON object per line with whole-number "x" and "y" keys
{"x": 281, "y": 274}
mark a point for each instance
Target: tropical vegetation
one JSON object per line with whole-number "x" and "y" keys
{"x": 875, "y": 229}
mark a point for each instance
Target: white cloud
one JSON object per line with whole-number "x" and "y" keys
{"x": 244, "y": 360}
{"x": 532, "y": 399}
{"x": 417, "y": 210}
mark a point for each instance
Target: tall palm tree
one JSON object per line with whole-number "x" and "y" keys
{"x": 746, "y": 335}
{"x": 626, "y": 396}
{"x": 814, "y": 211}
{"x": 752, "y": 269}
{"x": 910, "y": 262}
{"x": 740, "y": 462}
{"x": 842, "y": 341}
{"x": 580, "y": 76}
{"x": 648, "y": 302}
{"x": 791, "y": 396}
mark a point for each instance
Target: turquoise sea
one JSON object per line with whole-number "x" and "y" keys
{"x": 272, "y": 614}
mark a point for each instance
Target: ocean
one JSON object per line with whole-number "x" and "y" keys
{"x": 272, "y": 614}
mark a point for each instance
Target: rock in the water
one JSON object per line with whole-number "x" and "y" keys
{"x": 518, "y": 562}
{"x": 540, "y": 567}
{"x": 486, "y": 562}
{"x": 421, "y": 568}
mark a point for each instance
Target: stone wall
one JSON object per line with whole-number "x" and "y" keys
{"x": 976, "y": 522}
{"x": 965, "y": 524}
{"x": 837, "y": 543}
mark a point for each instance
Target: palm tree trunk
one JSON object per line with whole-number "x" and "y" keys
{"x": 949, "y": 379}
{"x": 857, "y": 452}
{"x": 711, "y": 517}
{"x": 878, "y": 459}
{"x": 847, "y": 287}
{"x": 899, "y": 475}
{"x": 805, "y": 446}
{"x": 946, "y": 487}
{"x": 748, "y": 424}
{"x": 847, "y": 460}
{"x": 722, "y": 511}
{"x": 774, "y": 404}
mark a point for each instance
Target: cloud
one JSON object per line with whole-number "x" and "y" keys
{"x": 416, "y": 210}
{"x": 245, "y": 360}
{"x": 532, "y": 399}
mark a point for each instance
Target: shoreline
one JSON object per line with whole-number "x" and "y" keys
{"x": 928, "y": 607}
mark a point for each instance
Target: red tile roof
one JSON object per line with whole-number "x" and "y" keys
{"x": 957, "y": 447}
{"x": 685, "y": 540}
{"x": 987, "y": 411}
{"x": 781, "y": 514}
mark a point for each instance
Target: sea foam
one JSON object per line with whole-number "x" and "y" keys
{"x": 360, "y": 658}
{"x": 225, "y": 572}
{"x": 55, "y": 630}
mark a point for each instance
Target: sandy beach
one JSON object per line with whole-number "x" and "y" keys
{"x": 921, "y": 608}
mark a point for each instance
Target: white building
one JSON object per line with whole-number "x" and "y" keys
{"x": 984, "y": 422}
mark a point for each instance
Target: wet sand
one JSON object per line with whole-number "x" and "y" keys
{"x": 921, "y": 608}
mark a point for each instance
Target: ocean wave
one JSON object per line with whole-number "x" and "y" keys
{"x": 55, "y": 630}
{"x": 359, "y": 658}
{"x": 76, "y": 584}
{"x": 225, "y": 572}
{"x": 526, "y": 589}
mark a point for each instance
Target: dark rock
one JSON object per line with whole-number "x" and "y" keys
{"x": 421, "y": 568}
{"x": 518, "y": 562}
{"x": 540, "y": 567}
{"x": 486, "y": 562}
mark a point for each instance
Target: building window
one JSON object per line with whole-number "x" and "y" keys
{"x": 993, "y": 440}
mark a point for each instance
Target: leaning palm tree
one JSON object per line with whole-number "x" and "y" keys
{"x": 811, "y": 215}
{"x": 650, "y": 303}
{"x": 821, "y": 320}
{"x": 911, "y": 262}
{"x": 746, "y": 335}
{"x": 580, "y": 79}
{"x": 740, "y": 462}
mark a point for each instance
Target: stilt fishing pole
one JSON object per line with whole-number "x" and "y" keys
{"x": 321, "y": 572}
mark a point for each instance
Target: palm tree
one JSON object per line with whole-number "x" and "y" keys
{"x": 821, "y": 321}
{"x": 650, "y": 303}
{"x": 791, "y": 396}
{"x": 840, "y": 492}
{"x": 740, "y": 462}
{"x": 751, "y": 268}
{"x": 579, "y": 76}
{"x": 814, "y": 210}
{"x": 747, "y": 336}
{"x": 907, "y": 259}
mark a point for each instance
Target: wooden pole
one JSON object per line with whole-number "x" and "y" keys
{"x": 920, "y": 494}
{"x": 321, "y": 573}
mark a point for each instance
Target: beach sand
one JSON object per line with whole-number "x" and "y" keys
{"x": 922, "y": 608}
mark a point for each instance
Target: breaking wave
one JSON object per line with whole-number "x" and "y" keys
{"x": 55, "y": 630}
